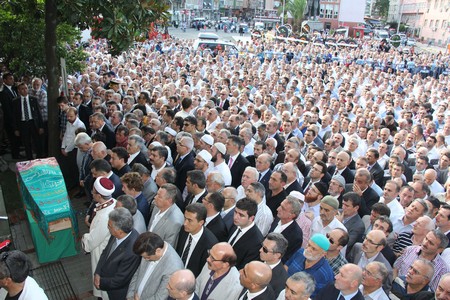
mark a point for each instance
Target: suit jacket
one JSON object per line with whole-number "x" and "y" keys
{"x": 117, "y": 184}
{"x": 294, "y": 235}
{"x": 280, "y": 142}
{"x": 143, "y": 207}
{"x": 355, "y": 229}
{"x": 169, "y": 225}
{"x": 83, "y": 113}
{"x": 295, "y": 186}
{"x": 279, "y": 277}
{"x": 218, "y": 228}
{"x": 408, "y": 172}
{"x": 331, "y": 292}
{"x": 156, "y": 285}
{"x": 110, "y": 137}
{"x": 189, "y": 199}
{"x": 118, "y": 267}
{"x": 182, "y": 167}
{"x": 377, "y": 173}
{"x": 268, "y": 294}
{"x": 230, "y": 283}
{"x": 228, "y": 219}
{"x": 355, "y": 256}
{"x": 200, "y": 252}
{"x": 247, "y": 247}
{"x": 6, "y": 100}
{"x": 265, "y": 179}
{"x": 237, "y": 169}
{"x": 140, "y": 158}
{"x": 369, "y": 198}
{"x": 35, "y": 112}
{"x": 150, "y": 190}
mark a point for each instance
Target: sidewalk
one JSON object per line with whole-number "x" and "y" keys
{"x": 66, "y": 279}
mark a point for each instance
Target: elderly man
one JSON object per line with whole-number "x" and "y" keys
{"x": 136, "y": 149}
{"x": 415, "y": 284}
{"x": 117, "y": 263}
{"x": 390, "y": 194}
{"x": 373, "y": 276}
{"x": 414, "y": 211}
{"x": 343, "y": 159}
{"x": 327, "y": 220}
{"x": 184, "y": 161}
{"x": 99, "y": 125}
{"x": 219, "y": 274}
{"x": 263, "y": 218}
{"x": 249, "y": 176}
{"x": 263, "y": 163}
{"x": 166, "y": 218}
{"x": 299, "y": 286}
{"x": 255, "y": 278}
{"x": 214, "y": 182}
{"x": 181, "y": 286}
{"x": 129, "y": 203}
{"x": 272, "y": 250}
{"x": 159, "y": 261}
{"x": 312, "y": 260}
{"x": 361, "y": 186}
{"x": 433, "y": 244}
{"x": 430, "y": 178}
{"x": 345, "y": 286}
{"x": 443, "y": 290}
{"x": 97, "y": 238}
{"x": 292, "y": 173}
{"x": 286, "y": 224}
{"x": 370, "y": 250}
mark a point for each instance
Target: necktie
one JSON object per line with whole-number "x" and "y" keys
{"x": 189, "y": 199}
{"x": 307, "y": 188}
{"x": 336, "y": 172}
{"x": 235, "y": 237}
{"x": 113, "y": 247}
{"x": 186, "y": 250}
{"x": 25, "y": 109}
{"x": 230, "y": 162}
{"x": 245, "y": 296}
{"x": 260, "y": 175}
{"x": 341, "y": 297}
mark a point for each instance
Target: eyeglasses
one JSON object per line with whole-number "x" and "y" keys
{"x": 265, "y": 250}
{"x": 372, "y": 242}
{"x": 416, "y": 272}
{"x": 370, "y": 274}
{"x": 186, "y": 124}
{"x": 330, "y": 239}
{"x": 211, "y": 257}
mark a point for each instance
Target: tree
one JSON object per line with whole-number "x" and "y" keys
{"x": 382, "y": 6}
{"x": 297, "y": 9}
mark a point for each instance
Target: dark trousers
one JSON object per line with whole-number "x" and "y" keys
{"x": 30, "y": 137}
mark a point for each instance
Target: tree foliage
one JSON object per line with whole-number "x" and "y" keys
{"x": 297, "y": 10}
{"x": 121, "y": 22}
{"x": 382, "y": 6}
{"x": 22, "y": 34}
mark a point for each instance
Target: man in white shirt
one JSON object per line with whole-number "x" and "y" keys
{"x": 327, "y": 220}
{"x": 391, "y": 191}
{"x": 264, "y": 217}
{"x": 430, "y": 177}
{"x": 218, "y": 152}
{"x": 299, "y": 286}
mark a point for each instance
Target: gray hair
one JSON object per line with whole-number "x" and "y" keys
{"x": 295, "y": 205}
{"x": 381, "y": 269}
{"x": 424, "y": 205}
{"x": 121, "y": 219}
{"x": 254, "y": 171}
{"x": 140, "y": 142}
{"x": 128, "y": 202}
{"x": 217, "y": 177}
{"x": 430, "y": 268}
{"x": 259, "y": 188}
{"x": 82, "y": 138}
{"x": 189, "y": 142}
{"x": 442, "y": 238}
{"x": 307, "y": 280}
{"x": 281, "y": 243}
{"x": 141, "y": 169}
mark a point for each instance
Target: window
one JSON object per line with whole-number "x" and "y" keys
{"x": 437, "y": 24}
{"x": 425, "y": 24}
{"x": 431, "y": 23}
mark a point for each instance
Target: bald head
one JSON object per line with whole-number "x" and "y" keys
{"x": 98, "y": 150}
{"x": 430, "y": 176}
{"x": 255, "y": 276}
{"x": 181, "y": 284}
{"x": 348, "y": 279}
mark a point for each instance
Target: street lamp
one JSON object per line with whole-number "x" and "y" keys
{"x": 282, "y": 14}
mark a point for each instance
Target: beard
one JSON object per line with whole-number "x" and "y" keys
{"x": 311, "y": 257}
{"x": 309, "y": 198}
{"x": 214, "y": 158}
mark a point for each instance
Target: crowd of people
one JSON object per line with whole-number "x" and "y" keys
{"x": 289, "y": 171}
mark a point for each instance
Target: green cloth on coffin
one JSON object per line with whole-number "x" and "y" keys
{"x": 45, "y": 196}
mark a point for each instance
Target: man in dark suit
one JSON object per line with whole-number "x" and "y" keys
{"x": 236, "y": 162}
{"x": 184, "y": 161}
{"x": 255, "y": 278}
{"x": 223, "y": 101}
{"x": 343, "y": 159}
{"x": 263, "y": 163}
{"x": 84, "y": 112}
{"x": 285, "y": 224}
{"x": 272, "y": 128}
{"x": 347, "y": 283}
{"x": 227, "y": 213}
{"x": 118, "y": 263}
{"x": 292, "y": 184}
{"x": 362, "y": 188}
{"x": 7, "y": 94}
{"x": 213, "y": 203}
{"x": 272, "y": 250}
{"x": 195, "y": 185}
{"x": 135, "y": 148}
{"x": 245, "y": 236}
{"x": 182, "y": 285}
{"x": 374, "y": 167}
{"x": 194, "y": 240}
{"x": 99, "y": 125}
{"x": 28, "y": 124}
{"x": 351, "y": 220}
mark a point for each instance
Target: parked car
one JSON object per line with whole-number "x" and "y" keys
{"x": 411, "y": 42}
